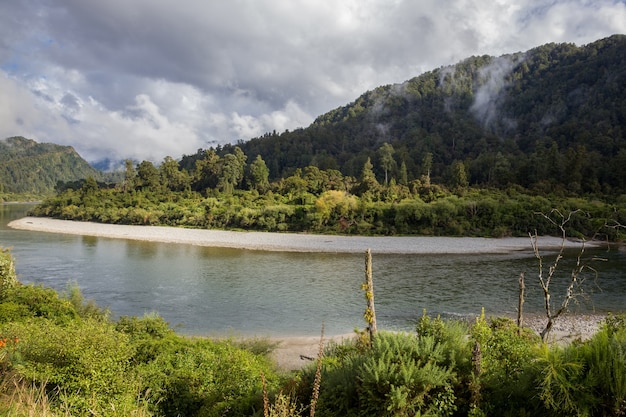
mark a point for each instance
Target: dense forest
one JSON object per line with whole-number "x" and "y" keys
{"x": 36, "y": 168}
{"x": 226, "y": 193}
{"x": 480, "y": 148}
{"x": 551, "y": 117}
{"x": 62, "y": 355}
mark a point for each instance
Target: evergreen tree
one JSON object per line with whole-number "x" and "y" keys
{"x": 172, "y": 177}
{"x": 207, "y": 171}
{"x": 148, "y": 176}
{"x": 130, "y": 175}
{"x": 459, "y": 176}
{"x": 233, "y": 169}
{"x": 368, "y": 184}
{"x": 386, "y": 159}
{"x": 427, "y": 164}
{"x": 259, "y": 174}
{"x": 404, "y": 176}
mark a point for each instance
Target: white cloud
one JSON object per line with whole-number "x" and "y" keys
{"x": 486, "y": 97}
{"x": 148, "y": 78}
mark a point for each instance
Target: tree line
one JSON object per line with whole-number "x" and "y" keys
{"x": 227, "y": 192}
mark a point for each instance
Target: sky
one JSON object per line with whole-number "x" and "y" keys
{"x": 145, "y": 79}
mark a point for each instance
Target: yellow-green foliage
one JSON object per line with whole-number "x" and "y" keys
{"x": 206, "y": 378}
{"x": 400, "y": 374}
{"x": 476, "y": 212}
{"x": 62, "y": 355}
{"x": 22, "y": 302}
{"x": 586, "y": 378}
{"x": 505, "y": 352}
{"x": 81, "y": 361}
{"x": 7, "y": 270}
{"x": 333, "y": 205}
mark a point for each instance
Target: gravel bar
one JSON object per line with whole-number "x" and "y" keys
{"x": 291, "y": 242}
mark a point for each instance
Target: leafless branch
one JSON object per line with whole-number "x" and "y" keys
{"x": 574, "y": 288}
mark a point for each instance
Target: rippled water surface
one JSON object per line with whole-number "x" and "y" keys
{"x": 242, "y": 292}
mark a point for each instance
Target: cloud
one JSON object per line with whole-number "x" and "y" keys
{"x": 493, "y": 83}
{"x": 148, "y": 78}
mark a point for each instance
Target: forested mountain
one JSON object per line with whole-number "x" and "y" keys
{"x": 551, "y": 117}
{"x": 479, "y": 148}
{"x": 36, "y": 168}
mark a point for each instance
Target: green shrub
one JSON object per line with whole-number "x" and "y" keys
{"x": 450, "y": 333}
{"x": 150, "y": 335}
{"x": 28, "y": 301}
{"x": 401, "y": 374}
{"x": 85, "y": 367}
{"x": 206, "y": 378}
{"x": 559, "y": 372}
{"x": 407, "y": 375}
{"x": 84, "y": 308}
{"x": 604, "y": 358}
{"x": 505, "y": 358}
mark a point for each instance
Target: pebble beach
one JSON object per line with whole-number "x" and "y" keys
{"x": 291, "y": 242}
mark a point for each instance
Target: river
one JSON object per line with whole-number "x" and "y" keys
{"x": 214, "y": 291}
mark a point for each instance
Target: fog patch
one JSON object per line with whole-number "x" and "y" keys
{"x": 493, "y": 81}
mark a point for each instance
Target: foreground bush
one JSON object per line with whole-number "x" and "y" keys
{"x": 63, "y": 356}
{"x": 79, "y": 363}
{"x": 586, "y": 378}
{"x": 399, "y": 374}
{"x": 60, "y": 355}
{"x": 487, "y": 369}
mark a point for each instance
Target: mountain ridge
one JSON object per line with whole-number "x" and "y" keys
{"x": 27, "y": 166}
{"x": 513, "y": 108}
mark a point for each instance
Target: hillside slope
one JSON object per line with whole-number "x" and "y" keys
{"x": 30, "y": 167}
{"x": 554, "y": 116}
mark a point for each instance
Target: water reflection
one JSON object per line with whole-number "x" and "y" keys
{"x": 90, "y": 241}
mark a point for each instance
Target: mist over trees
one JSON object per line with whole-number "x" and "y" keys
{"x": 549, "y": 118}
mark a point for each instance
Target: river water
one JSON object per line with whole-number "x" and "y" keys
{"x": 213, "y": 291}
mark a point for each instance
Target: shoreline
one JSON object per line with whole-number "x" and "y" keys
{"x": 291, "y": 351}
{"x": 293, "y": 242}
{"x": 295, "y": 352}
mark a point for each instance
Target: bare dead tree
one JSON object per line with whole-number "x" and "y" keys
{"x": 614, "y": 224}
{"x": 574, "y": 288}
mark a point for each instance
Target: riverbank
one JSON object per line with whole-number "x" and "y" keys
{"x": 291, "y": 242}
{"x": 292, "y": 353}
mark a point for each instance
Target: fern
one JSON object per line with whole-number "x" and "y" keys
{"x": 407, "y": 375}
{"x": 605, "y": 359}
{"x": 559, "y": 384}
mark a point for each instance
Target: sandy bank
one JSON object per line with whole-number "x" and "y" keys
{"x": 288, "y": 242}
